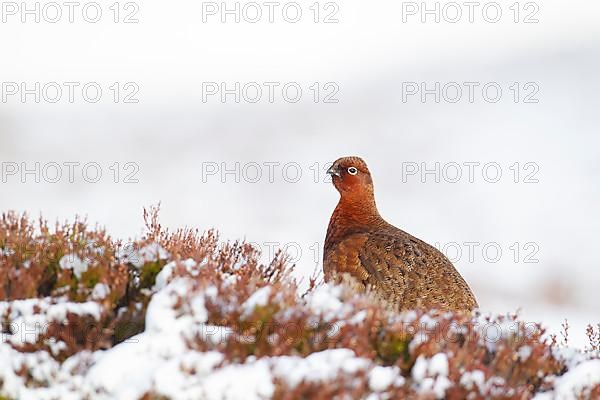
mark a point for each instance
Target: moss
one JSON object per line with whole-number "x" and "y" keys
{"x": 393, "y": 348}
{"x": 130, "y": 321}
{"x": 49, "y": 279}
{"x": 91, "y": 277}
{"x": 148, "y": 273}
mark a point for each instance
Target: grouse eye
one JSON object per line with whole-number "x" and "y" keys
{"x": 352, "y": 171}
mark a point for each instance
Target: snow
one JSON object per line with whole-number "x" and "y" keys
{"x": 147, "y": 365}
{"x": 428, "y": 323}
{"x": 74, "y": 263}
{"x": 439, "y": 387}
{"x": 251, "y": 381}
{"x": 358, "y": 318}
{"x": 28, "y": 319}
{"x": 160, "y": 362}
{"x": 136, "y": 366}
{"x": 62, "y": 380}
{"x": 571, "y": 356}
{"x": 6, "y": 252}
{"x": 430, "y": 375}
{"x": 439, "y": 365}
{"x": 381, "y": 378}
{"x": 150, "y": 253}
{"x": 524, "y": 353}
{"x": 318, "y": 367}
{"x": 254, "y": 380}
{"x": 492, "y": 330}
{"x": 419, "y": 370}
{"x": 141, "y": 367}
{"x": 259, "y": 298}
{"x": 473, "y": 379}
{"x": 575, "y": 382}
{"x": 326, "y": 301}
{"x": 166, "y": 274}
{"x": 162, "y": 317}
{"x": 100, "y": 291}
{"x": 157, "y": 359}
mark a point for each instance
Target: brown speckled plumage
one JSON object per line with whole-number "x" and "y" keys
{"x": 396, "y": 267}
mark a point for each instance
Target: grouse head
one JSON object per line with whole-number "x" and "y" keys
{"x": 351, "y": 178}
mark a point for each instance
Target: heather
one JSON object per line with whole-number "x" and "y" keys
{"x": 184, "y": 314}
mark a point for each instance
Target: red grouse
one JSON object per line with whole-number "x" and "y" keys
{"x": 394, "y": 266}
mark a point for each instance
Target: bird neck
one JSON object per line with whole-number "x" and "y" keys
{"x": 354, "y": 213}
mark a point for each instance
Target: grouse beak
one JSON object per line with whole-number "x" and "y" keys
{"x": 334, "y": 171}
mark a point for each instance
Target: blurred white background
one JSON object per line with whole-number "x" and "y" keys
{"x": 173, "y": 136}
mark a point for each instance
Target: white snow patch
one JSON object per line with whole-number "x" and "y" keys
{"x": 260, "y": 298}
{"x": 325, "y": 301}
{"x": 166, "y": 273}
{"x": 428, "y": 323}
{"x": 493, "y": 330}
{"x": 381, "y": 378}
{"x": 473, "y": 379}
{"x": 100, "y": 291}
{"x": 74, "y": 263}
{"x": 524, "y": 353}
{"x": 318, "y": 367}
{"x": 6, "y": 252}
{"x": 154, "y": 357}
{"x": 162, "y": 317}
{"x": 358, "y": 318}
{"x": 159, "y": 361}
{"x": 430, "y": 375}
{"x": 439, "y": 364}
{"x": 28, "y": 319}
{"x": 149, "y": 253}
{"x": 575, "y": 382}
{"x": 251, "y": 381}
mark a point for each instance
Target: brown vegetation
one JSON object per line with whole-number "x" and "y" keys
{"x": 511, "y": 358}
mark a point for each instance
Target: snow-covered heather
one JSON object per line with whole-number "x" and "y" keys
{"x": 431, "y": 375}
{"x": 6, "y": 252}
{"x": 186, "y": 352}
{"x": 258, "y": 299}
{"x": 100, "y": 291}
{"x": 575, "y": 383}
{"x": 138, "y": 257}
{"x": 28, "y": 319}
{"x": 159, "y": 361}
{"x": 74, "y": 263}
{"x": 325, "y": 302}
{"x": 381, "y": 378}
{"x": 166, "y": 274}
